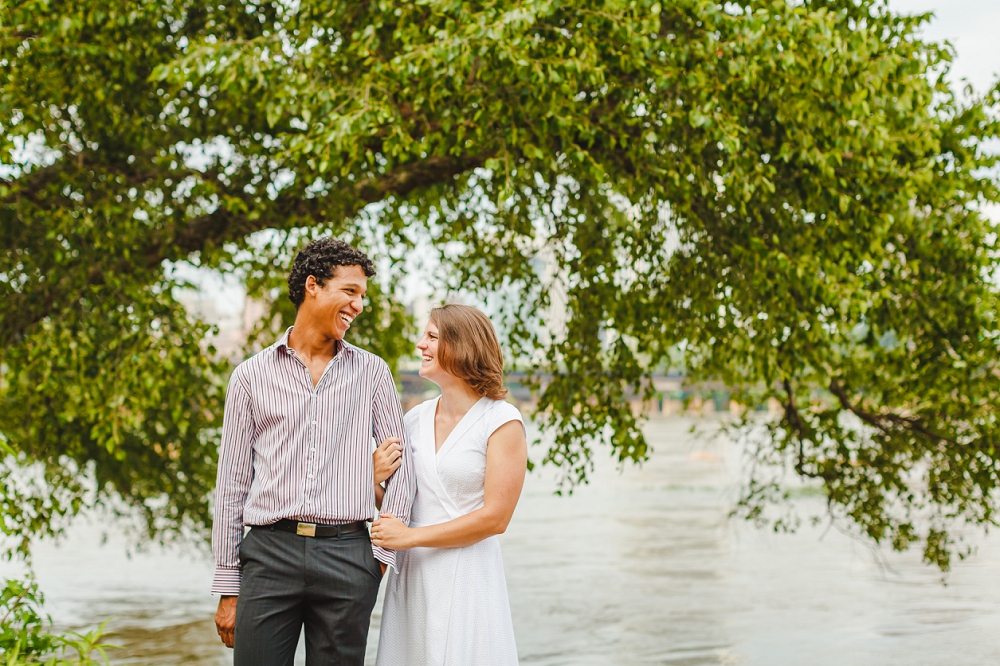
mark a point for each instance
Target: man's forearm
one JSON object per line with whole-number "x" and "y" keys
{"x": 232, "y": 485}
{"x": 398, "y": 492}
{"x": 227, "y": 534}
{"x": 227, "y": 581}
{"x": 385, "y": 557}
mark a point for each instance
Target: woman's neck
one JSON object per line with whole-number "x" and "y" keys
{"x": 457, "y": 398}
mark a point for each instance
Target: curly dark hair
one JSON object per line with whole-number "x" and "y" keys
{"x": 319, "y": 259}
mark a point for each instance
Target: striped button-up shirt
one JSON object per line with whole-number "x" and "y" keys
{"x": 294, "y": 450}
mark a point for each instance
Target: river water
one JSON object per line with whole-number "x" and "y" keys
{"x": 641, "y": 566}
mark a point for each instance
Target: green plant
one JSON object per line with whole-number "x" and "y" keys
{"x": 26, "y": 637}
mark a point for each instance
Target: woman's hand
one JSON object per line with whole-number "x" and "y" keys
{"x": 390, "y": 532}
{"x": 387, "y": 457}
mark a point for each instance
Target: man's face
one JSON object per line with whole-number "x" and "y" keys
{"x": 335, "y": 305}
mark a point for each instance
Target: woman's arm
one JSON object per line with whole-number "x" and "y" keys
{"x": 506, "y": 465}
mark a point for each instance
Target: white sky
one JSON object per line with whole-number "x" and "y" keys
{"x": 972, "y": 27}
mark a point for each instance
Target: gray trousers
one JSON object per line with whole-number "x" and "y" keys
{"x": 329, "y": 584}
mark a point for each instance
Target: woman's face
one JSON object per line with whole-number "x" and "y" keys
{"x": 428, "y": 346}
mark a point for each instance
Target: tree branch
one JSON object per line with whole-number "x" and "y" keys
{"x": 801, "y": 429}
{"x": 885, "y": 421}
{"x": 223, "y": 225}
{"x": 408, "y": 177}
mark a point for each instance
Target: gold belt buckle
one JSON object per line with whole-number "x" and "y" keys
{"x": 306, "y": 529}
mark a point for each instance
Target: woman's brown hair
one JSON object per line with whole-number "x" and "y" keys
{"x": 468, "y": 349}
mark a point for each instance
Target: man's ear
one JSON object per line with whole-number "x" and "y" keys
{"x": 311, "y": 286}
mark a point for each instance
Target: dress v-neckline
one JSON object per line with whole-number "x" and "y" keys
{"x": 460, "y": 428}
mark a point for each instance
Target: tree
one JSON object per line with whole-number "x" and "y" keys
{"x": 790, "y": 192}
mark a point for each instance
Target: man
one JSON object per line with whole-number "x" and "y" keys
{"x": 296, "y": 465}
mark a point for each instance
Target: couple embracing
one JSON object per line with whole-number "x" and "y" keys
{"x": 297, "y": 467}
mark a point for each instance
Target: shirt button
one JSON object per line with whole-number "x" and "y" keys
{"x": 313, "y": 448}
{"x": 314, "y": 423}
{"x": 310, "y": 476}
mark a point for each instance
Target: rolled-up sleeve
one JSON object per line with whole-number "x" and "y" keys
{"x": 387, "y": 421}
{"x": 232, "y": 485}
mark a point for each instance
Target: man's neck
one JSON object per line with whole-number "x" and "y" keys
{"x": 308, "y": 341}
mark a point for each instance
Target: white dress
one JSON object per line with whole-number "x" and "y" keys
{"x": 449, "y": 606}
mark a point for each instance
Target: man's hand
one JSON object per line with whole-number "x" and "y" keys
{"x": 382, "y": 564}
{"x": 225, "y": 619}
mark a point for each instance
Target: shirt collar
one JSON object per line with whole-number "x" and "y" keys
{"x": 283, "y": 340}
{"x": 282, "y": 344}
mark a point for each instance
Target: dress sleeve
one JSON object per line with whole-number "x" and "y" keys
{"x": 502, "y": 413}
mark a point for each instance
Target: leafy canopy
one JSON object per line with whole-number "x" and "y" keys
{"x": 790, "y": 192}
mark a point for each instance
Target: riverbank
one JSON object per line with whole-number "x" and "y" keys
{"x": 640, "y": 566}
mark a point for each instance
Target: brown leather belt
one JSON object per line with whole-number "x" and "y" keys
{"x": 315, "y": 529}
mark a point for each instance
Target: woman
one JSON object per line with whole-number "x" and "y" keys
{"x": 447, "y": 603}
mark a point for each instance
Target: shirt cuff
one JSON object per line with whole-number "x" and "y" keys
{"x": 227, "y": 581}
{"x": 386, "y": 557}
